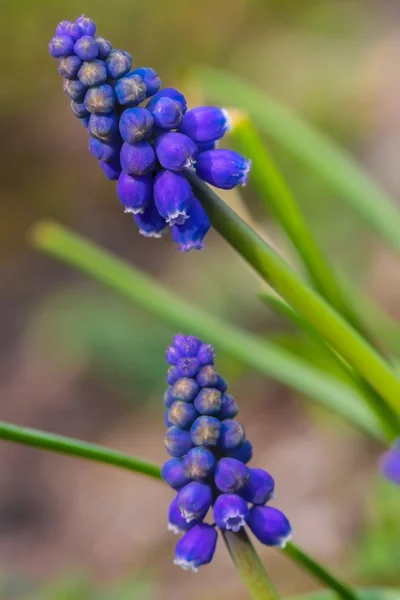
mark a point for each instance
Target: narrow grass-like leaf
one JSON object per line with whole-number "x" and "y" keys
{"x": 331, "y": 163}
{"x": 364, "y": 594}
{"x": 250, "y": 349}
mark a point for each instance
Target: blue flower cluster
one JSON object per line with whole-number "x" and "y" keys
{"x": 209, "y": 460}
{"x": 390, "y": 463}
{"x": 143, "y": 136}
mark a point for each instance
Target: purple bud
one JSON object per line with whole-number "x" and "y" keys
{"x": 206, "y": 354}
{"x": 167, "y": 113}
{"x": 74, "y": 89}
{"x": 172, "y": 93}
{"x": 196, "y": 547}
{"x": 177, "y": 442}
{"x": 138, "y": 158}
{"x": 150, "y": 78}
{"x": 79, "y": 109}
{"x": 104, "y": 46}
{"x": 167, "y": 422}
{"x": 173, "y": 473}
{"x": 172, "y": 355}
{"x": 390, "y": 463}
{"x": 86, "y": 48}
{"x": 168, "y": 399}
{"x": 188, "y": 366}
{"x": 130, "y": 90}
{"x": 86, "y": 25}
{"x": 199, "y": 463}
{"x": 190, "y": 235}
{"x": 135, "y": 125}
{"x": 173, "y": 375}
{"x": 85, "y": 121}
{"x": 135, "y": 192}
{"x": 229, "y": 408}
{"x": 259, "y": 487}
{"x": 230, "y": 512}
{"x": 221, "y": 384}
{"x": 176, "y": 152}
{"x": 208, "y": 376}
{"x": 182, "y": 414}
{"x": 185, "y": 389}
{"x": 208, "y": 401}
{"x": 61, "y": 45}
{"x": 102, "y": 151}
{"x": 150, "y": 222}
{"x": 68, "y": 66}
{"x": 173, "y": 196}
{"x": 205, "y": 123}
{"x": 223, "y": 168}
{"x": 188, "y": 345}
{"x": 93, "y": 73}
{"x": 232, "y": 434}
{"x": 194, "y": 500}
{"x": 100, "y": 99}
{"x": 70, "y": 29}
{"x": 203, "y": 146}
{"x": 176, "y": 523}
{"x": 243, "y": 452}
{"x": 118, "y": 64}
{"x": 230, "y": 475}
{"x": 270, "y": 526}
{"x": 104, "y": 127}
{"x": 112, "y": 169}
{"x": 205, "y": 431}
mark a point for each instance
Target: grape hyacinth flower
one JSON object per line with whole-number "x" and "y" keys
{"x": 147, "y": 132}
{"x": 390, "y": 463}
{"x": 209, "y": 470}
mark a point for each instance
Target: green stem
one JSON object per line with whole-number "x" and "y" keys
{"x": 319, "y": 572}
{"x": 249, "y": 566}
{"x": 329, "y": 324}
{"x": 276, "y": 195}
{"x": 76, "y": 448}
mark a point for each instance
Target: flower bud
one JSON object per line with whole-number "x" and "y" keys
{"x": 182, "y": 414}
{"x": 205, "y": 123}
{"x": 74, "y": 89}
{"x": 61, "y": 45}
{"x": 194, "y": 500}
{"x": 135, "y": 125}
{"x": 199, "y": 463}
{"x": 174, "y": 474}
{"x": 167, "y": 113}
{"x": 208, "y": 401}
{"x": 208, "y": 376}
{"x": 104, "y": 47}
{"x": 229, "y": 408}
{"x": 232, "y": 434}
{"x": 230, "y": 512}
{"x": 259, "y": 487}
{"x": 223, "y": 168}
{"x": 230, "y": 475}
{"x": 135, "y": 192}
{"x": 243, "y": 452}
{"x": 176, "y": 152}
{"x": 138, "y": 158}
{"x": 112, "y": 169}
{"x": 172, "y": 93}
{"x": 390, "y": 463}
{"x": 177, "y": 442}
{"x": 203, "y": 146}
{"x": 150, "y": 222}
{"x": 79, "y": 109}
{"x": 100, "y": 99}
{"x": 130, "y": 90}
{"x": 92, "y": 73}
{"x": 86, "y": 48}
{"x": 187, "y": 366}
{"x": 187, "y": 345}
{"x": 118, "y": 63}
{"x": 173, "y": 196}
{"x": 196, "y": 547}
{"x": 168, "y": 399}
{"x": 70, "y": 29}
{"x": 221, "y": 385}
{"x": 270, "y": 526}
{"x": 102, "y": 151}
{"x": 205, "y": 431}
{"x": 173, "y": 375}
{"x": 176, "y": 523}
{"x": 86, "y": 25}
{"x": 104, "y": 127}
{"x": 68, "y": 66}
{"x": 185, "y": 389}
{"x": 190, "y": 234}
{"x": 206, "y": 354}
{"x": 172, "y": 355}
{"x": 150, "y": 78}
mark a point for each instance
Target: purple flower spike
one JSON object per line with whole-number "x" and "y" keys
{"x": 229, "y": 408}
{"x": 176, "y": 152}
{"x": 130, "y": 90}
{"x": 150, "y": 222}
{"x": 243, "y": 452}
{"x": 188, "y": 366}
{"x": 232, "y": 434}
{"x": 92, "y": 73}
{"x": 259, "y": 487}
{"x": 172, "y": 93}
{"x": 187, "y": 345}
{"x": 270, "y": 526}
{"x": 104, "y": 47}
{"x": 185, "y": 389}
{"x": 61, "y": 45}
{"x": 173, "y": 473}
{"x": 206, "y": 354}
{"x": 205, "y": 123}
{"x": 86, "y": 48}
{"x": 177, "y": 442}
{"x": 86, "y": 25}
{"x": 176, "y": 523}
{"x": 230, "y": 512}
{"x": 135, "y": 192}
{"x": 135, "y": 125}
{"x": 223, "y": 168}
{"x": 173, "y": 196}
{"x": 190, "y": 235}
{"x": 118, "y": 63}
{"x": 230, "y": 475}
{"x": 167, "y": 113}
{"x": 68, "y": 66}
{"x": 104, "y": 127}
{"x": 205, "y": 431}
{"x": 208, "y": 376}
{"x": 208, "y": 401}
{"x": 150, "y": 78}
{"x": 102, "y": 151}
{"x": 196, "y": 548}
{"x": 112, "y": 170}
{"x": 194, "y": 500}
{"x": 100, "y": 99}
{"x": 182, "y": 414}
{"x": 74, "y": 89}
{"x": 199, "y": 463}
{"x": 70, "y": 29}
{"x": 138, "y": 159}
{"x": 390, "y": 464}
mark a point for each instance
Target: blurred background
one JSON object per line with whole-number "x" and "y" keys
{"x": 77, "y": 360}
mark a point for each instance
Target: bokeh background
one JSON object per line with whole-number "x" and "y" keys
{"x": 76, "y": 360}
